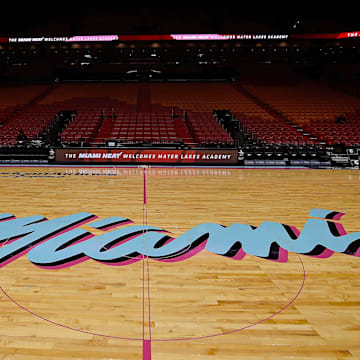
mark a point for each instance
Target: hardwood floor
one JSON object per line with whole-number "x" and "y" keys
{"x": 60, "y": 311}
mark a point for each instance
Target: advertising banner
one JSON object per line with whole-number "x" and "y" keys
{"x": 181, "y": 37}
{"x": 129, "y": 156}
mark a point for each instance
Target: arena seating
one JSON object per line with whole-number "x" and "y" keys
{"x": 309, "y": 105}
{"x": 199, "y": 100}
{"x": 273, "y": 132}
{"x": 183, "y": 112}
{"x": 7, "y": 112}
{"x": 89, "y": 116}
{"x": 124, "y": 102}
{"x": 350, "y": 87}
{"x": 37, "y": 117}
{"x": 13, "y": 100}
{"x": 342, "y": 77}
{"x": 305, "y": 102}
{"x": 19, "y": 95}
{"x": 204, "y": 97}
{"x": 124, "y": 92}
{"x": 332, "y": 132}
{"x": 206, "y": 129}
{"x": 131, "y": 127}
{"x": 32, "y": 121}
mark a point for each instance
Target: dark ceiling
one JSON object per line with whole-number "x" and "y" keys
{"x": 69, "y": 18}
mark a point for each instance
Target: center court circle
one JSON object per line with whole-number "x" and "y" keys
{"x": 287, "y": 305}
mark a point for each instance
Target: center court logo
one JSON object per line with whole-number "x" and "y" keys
{"x": 60, "y": 242}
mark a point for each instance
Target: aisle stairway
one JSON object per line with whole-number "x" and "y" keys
{"x": 144, "y": 98}
{"x": 182, "y": 131}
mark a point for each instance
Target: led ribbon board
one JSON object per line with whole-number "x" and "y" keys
{"x": 179, "y": 37}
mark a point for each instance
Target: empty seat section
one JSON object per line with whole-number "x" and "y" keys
{"x": 19, "y": 95}
{"x": 332, "y": 132}
{"x": 7, "y": 112}
{"x": 33, "y": 121}
{"x": 206, "y": 129}
{"x": 124, "y": 92}
{"x": 133, "y": 127}
{"x": 88, "y": 119}
{"x": 275, "y": 131}
{"x": 307, "y": 103}
{"x": 203, "y": 97}
{"x": 200, "y": 99}
{"x": 12, "y": 99}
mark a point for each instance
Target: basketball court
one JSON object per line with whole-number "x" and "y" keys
{"x": 195, "y": 304}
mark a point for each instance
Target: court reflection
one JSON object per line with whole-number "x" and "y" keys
{"x": 171, "y": 171}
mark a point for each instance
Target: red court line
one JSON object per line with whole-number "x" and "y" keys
{"x": 146, "y": 343}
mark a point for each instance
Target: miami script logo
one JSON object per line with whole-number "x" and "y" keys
{"x": 61, "y": 242}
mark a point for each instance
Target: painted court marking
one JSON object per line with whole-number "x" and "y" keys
{"x": 146, "y": 299}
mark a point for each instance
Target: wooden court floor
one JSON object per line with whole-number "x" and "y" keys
{"x": 84, "y": 311}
